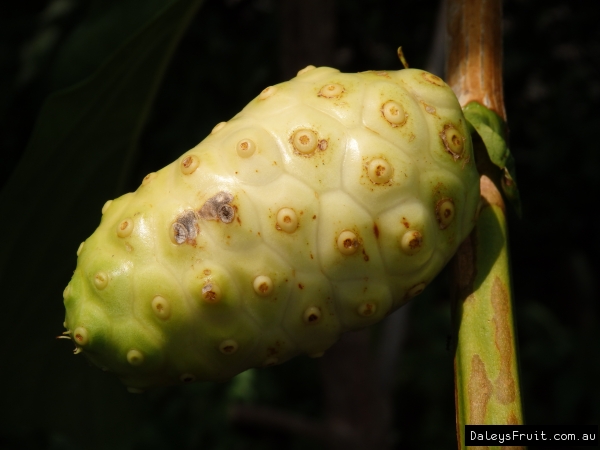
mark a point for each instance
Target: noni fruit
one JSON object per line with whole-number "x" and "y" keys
{"x": 326, "y": 203}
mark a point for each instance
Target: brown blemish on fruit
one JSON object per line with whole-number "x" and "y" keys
{"x": 376, "y": 230}
{"x": 428, "y": 108}
{"x": 365, "y": 256}
{"x": 185, "y": 228}
{"x": 218, "y": 208}
{"x": 300, "y": 286}
{"x": 505, "y": 391}
{"x": 480, "y": 392}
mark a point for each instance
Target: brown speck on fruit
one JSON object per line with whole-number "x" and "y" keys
{"x": 323, "y": 144}
{"x": 314, "y": 217}
{"x": 429, "y": 109}
{"x": 207, "y": 272}
{"x": 376, "y": 230}
{"x": 300, "y": 286}
{"x": 365, "y": 256}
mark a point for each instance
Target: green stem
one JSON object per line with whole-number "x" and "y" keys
{"x": 486, "y": 362}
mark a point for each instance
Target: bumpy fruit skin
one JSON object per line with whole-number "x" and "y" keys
{"x": 326, "y": 203}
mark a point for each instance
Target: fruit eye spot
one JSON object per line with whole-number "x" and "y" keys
{"x": 125, "y": 228}
{"x": 81, "y": 336}
{"x": 379, "y": 171}
{"x": 411, "y": 242}
{"x": 106, "y": 206}
{"x": 148, "y": 178}
{"x": 225, "y": 213}
{"x": 228, "y": 347}
{"x": 416, "y": 290}
{"x": 305, "y": 141}
{"x": 161, "y": 307}
{"x": 347, "y": 242}
{"x": 189, "y": 164}
{"x": 312, "y": 315}
{"x": 211, "y": 293}
{"x": 187, "y": 378}
{"x": 444, "y": 211}
{"x": 101, "y": 280}
{"x": 333, "y": 90}
{"x": 135, "y": 357}
{"x": 453, "y": 141}
{"x": 267, "y": 92}
{"x": 218, "y": 127}
{"x": 245, "y": 148}
{"x": 394, "y": 113}
{"x": 263, "y": 285}
{"x": 367, "y": 309}
{"x": 287, "y": 220}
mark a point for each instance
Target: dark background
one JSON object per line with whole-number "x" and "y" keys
{"x": 232, "y": 50}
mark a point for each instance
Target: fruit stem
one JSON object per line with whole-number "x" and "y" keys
{"x": 486, "y": 361}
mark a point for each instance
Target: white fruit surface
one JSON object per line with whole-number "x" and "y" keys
{"x": 326, "y": 203}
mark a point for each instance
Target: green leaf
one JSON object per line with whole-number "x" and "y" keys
{"x": 492, "y": 130}
{"x": 82, "y": 148}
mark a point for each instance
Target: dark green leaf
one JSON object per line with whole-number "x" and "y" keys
{"x": 492, "y": 130}
{"x": 83, "y": 144}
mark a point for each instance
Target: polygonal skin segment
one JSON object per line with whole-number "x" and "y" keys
{"x": 329, "y": 201}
